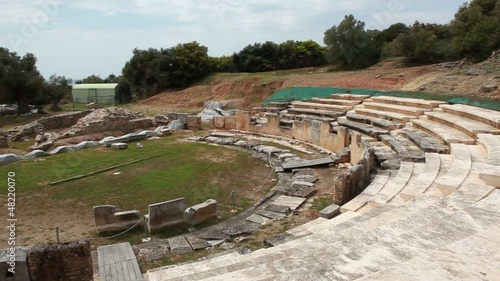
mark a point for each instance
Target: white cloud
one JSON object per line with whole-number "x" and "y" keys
{"x": 64, "y": 46}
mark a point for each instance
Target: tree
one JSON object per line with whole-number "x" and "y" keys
{"x": 423, "y": 43}
{"x": 20, "y": 80}
{"x": 123, "y": 93}
{"x": 270, "y": 56}
{"x": 477, "y": 28}
{"x": 92, "y": 79}
{"x": 151, "y": 71}
{"x": 349, "y": 45}
{"x": 57, "y": 88}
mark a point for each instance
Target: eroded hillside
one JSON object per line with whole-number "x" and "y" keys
{"x": 456, "y": 78}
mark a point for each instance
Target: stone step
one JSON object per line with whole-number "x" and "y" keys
{"x": 446, "y": 184}
{"x": 314, "y": 112}
{"x": 373, "y": 188}
{"x": 336, "y": 101}
{"x": 349, "y": 97}
{"x": 401, "y": 109}
{"x": 211, "y": 268}
{"x": 487, "y": 116}
{"x": 445, "y": 133}
{"x": 374, "y": 121}
{"x": 406, "y": 150}
{"x": 472, "y": 258}
{"x": 428, "y": 104}
{"x": 366, "y": 129}
{"x": 367, "y": 252}
{"x": 302, "y": 230}
{"x": 424, "y": 141}
{"x": 386, "y": 156}
{"x": 465, "y": 125}
{"x": 383, "y": 114}
{"x": 394, "y": 185}
{"x": 492, "y": 145}
{"x": 421, "y": 182}
{"x": 322, "y": 106}
{"x": 396, "y": 236}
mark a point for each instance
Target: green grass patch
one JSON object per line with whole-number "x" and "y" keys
{"x": 322, "y": 202}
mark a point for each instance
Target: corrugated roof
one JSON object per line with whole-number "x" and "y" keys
{"x": 96, "y": 86}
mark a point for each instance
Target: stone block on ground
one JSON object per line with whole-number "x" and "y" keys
{"x": 271, "y": 215}
{"x": 278, "y": 209}
{"x": 179, "y": 245}
{"x": 277, "y": 239}
{"x": 108, "y": 220}
{"x": 165, "y": 214}
{"x": 330, "y": 211}
{"x": 193, "y": 122}
{"x": 176, "y": 125}
{"x": 292, "y": 202}
{"x": 70, "y": 261}
{"x": 259, "y": 219}
{"x": 239, "y": 229}
{"x": 119, "y": 145}
{"x": 300, "y": 189}
{"x": 153, "y": 254}
{"x": 213, "y": 235}
{"x": 197, "y": 243}
{"x": 200, "y": 212}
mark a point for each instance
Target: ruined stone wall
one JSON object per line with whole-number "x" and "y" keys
{"x": 311, "y": 131}
{"x": 351, "y": 183}
{"x": 43, "y": 124}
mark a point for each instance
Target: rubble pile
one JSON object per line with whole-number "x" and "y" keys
{"x": 97, "y": 121}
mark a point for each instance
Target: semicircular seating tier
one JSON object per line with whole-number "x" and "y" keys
{"x": 429, "y": 210}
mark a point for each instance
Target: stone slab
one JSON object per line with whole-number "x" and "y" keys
{"x": 292, "y": 202}
{"x": 259, "y": 219}
{"x": 290, "y": 165}
{"x": 277, "y": 239}
{"x": 300, "y": 189}
{"x": 271, "y": 215}
{"x": 119, "y": 145}
{"x": 165, "y": 214}
{"x": 213, "y": 235}
{"x": 330, "y": 211}
{"x": 242, "y": 228}
{"x": 278, "y": 209}
{"x": 179, "y": 245}
{"x": 197, "y": 243}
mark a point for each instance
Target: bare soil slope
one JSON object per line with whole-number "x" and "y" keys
{"x": 449, "y": 78}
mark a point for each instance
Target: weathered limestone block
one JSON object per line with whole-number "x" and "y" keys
{"x": 183, "y": 117}
{"x": 108, "y": 220}
{"x": 70, "y": 261}
{"x": 16, "y": 260}
{"x": 218, "y": 122}
{"x": 300, "y": 189}
{"x": 193, "y": 122}
{"x": 330, "y": 211}
{"x": 230, "y": 123}
{"x": 165, "y": 214}
{"x": 201, "y": 212}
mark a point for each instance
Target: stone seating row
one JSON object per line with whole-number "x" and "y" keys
{"x": 360, "y": 245}
{"x": 407, "y": 219}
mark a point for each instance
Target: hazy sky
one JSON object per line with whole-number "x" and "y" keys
{"x": 80, "y": 38}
